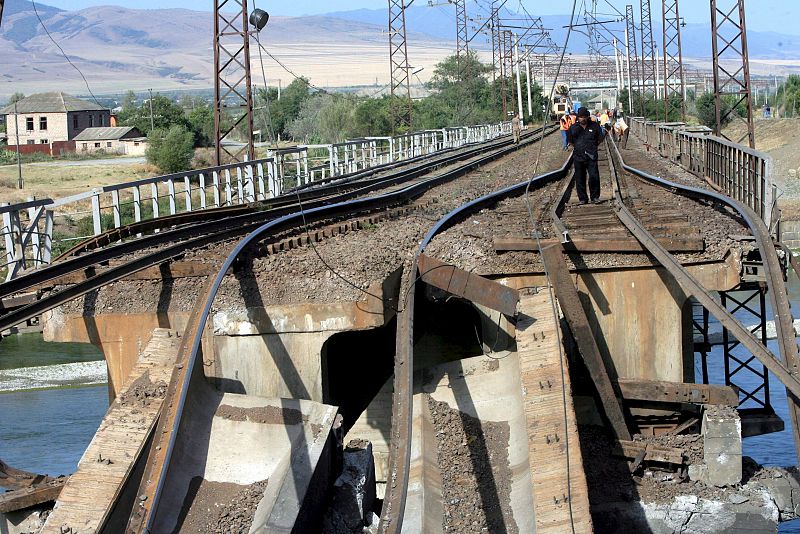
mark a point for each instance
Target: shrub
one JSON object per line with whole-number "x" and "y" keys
{"x": 170, "y": 150}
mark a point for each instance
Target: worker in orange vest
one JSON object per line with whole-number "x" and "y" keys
{"x": 566, "y": 123}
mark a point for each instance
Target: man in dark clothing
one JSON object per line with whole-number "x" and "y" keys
{"x": 584, "y": 137}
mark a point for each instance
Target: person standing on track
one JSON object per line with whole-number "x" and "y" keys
{"x": 516, "y": 128}
{"x": 566, "y": 123}
{"x": 584, "y": 139}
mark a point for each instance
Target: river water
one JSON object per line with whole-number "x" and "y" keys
{"x": 47, "y": 430}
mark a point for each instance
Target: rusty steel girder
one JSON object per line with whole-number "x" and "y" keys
{"x": 729, "y": 43}
{"x": 233, "y": 88}
{"x": 400, "y": 105}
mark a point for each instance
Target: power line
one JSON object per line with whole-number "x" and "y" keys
{"x": 36, "y": 11}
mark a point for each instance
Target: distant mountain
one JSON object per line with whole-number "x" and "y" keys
{"x": 169, "y": 49}
{"x": 439, "y": 22}
{"x": 119, "y": 48}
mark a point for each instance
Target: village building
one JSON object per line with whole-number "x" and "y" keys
{"x": 49, "y": 122}
{"x": 122, "y": 140}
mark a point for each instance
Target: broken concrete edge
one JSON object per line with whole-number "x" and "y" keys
{"x": 759, "y": 505}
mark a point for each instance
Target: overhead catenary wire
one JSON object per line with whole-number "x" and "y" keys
{"x": 536, "y": 235}
{"x": 74, "y": 66}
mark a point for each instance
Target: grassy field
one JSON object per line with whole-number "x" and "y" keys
{"x": 58, "y": 182}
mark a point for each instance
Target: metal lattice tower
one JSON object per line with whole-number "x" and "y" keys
{"x": 673, "y": 58}
{"x": 497, "y": 49}
{"x": 729, "y": 44}
{"x": 233, "y": 90}
{"x": 400, "y": 70}
{"x": 507, "y": 70}
{"x": 462, "y": 36}
{"x": 648, "y": 51}
{"x": 633, "y": 51}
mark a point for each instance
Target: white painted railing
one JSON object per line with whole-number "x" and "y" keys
{"x": 32, "y": 229}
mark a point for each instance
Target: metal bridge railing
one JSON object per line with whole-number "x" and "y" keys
{"x": 32, "y": 231}
{"x": 740, "y": 172}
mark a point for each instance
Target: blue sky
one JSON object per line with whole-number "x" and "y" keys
{"x": 762, "y": 15}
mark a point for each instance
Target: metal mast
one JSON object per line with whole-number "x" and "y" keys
{"x": 648, "y": 52}
{"x": 233, "y": 90}
{"x": 729, "y": 44}
{"x": 497, "y": 49}
{"x": 462, "y": 36}
{"x": 673, "y": 58}
{"x": 400, "y": 71}
{"x": 633, "y": 51}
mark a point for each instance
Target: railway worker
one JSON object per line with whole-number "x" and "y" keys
{"x": 516, "y": 127}
{"x": 584, "y": 138}
{"x": 621, "y": 130}
{"x": 566, "y": 122}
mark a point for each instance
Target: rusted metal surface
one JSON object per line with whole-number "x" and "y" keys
{"x": 26, "y": 497}
{"x": 788, "y": 370}
{"x": 601, "y": 244}
{"x": 653, "y": 453}
{"x": 581, "y": 330}
{"x": 470, "y": 286}
{"x": 731, "y": 65}
{"x": 13, "y": 479}
{"x": 659, "y": 391}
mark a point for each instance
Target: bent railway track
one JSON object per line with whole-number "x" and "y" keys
{"x": 631, "y": 219}
{"x": 329, "y": 200}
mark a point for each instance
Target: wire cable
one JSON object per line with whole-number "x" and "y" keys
{"x": 36, "y": 11}
{"x": 536, "y": 235}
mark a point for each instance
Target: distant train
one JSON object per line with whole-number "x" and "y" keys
{"x": 562, "y": 103}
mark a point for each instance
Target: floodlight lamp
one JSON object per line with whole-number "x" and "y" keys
{"x": 259, "y": 19}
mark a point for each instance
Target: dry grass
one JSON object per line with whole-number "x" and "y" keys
{"x": 58, "y": 182}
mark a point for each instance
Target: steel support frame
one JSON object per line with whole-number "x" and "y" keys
{"x": 633, "y": 52}
{"x": 462, "y": 36}
{"x": 752, "y": 301}
{"x": 497, "y": 48}
{"x": 648, "y": 52}
{"x": 233, "y": 88}
{"x": 401, "y": 107}
{"x": 673, "y": 58}
{"x": 729, "y": 43}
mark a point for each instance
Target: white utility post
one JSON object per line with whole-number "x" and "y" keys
{"x": 628, "y": 65}
{"x": 528, "y": 82}
{"x": 519, "y": 78}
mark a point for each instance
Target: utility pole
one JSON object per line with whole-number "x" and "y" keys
{"x": 519, "y": 78}
{"x": 150, "y": 101}
{"x": 507, "y": 71}
{"x": 528, "y": 82}
{"x": 233, "y": 87}
{"x": 729, "y": 43}
{"x": 20, "y": 181}
{"x": 1, "y": 12}
{"x": 633, "y": 56}
{"x": 400, "y": 105}
{"x": 673, "y": 58}
{"x": 648, "y": 52}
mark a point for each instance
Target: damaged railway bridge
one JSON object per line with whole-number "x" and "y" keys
{"x": 448, "y": 347}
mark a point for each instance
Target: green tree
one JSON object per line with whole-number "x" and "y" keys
{"x": 372, "y": 118}
{"x": 275, "y": 115}
{"x": 201, "y": 121}
{"x": 16, "y": 97}
{"x": 336, "y": 119}
{"x": 128, "y": 101}
{"x": 172, "y": 149}
{"x": 165, "y": 113}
